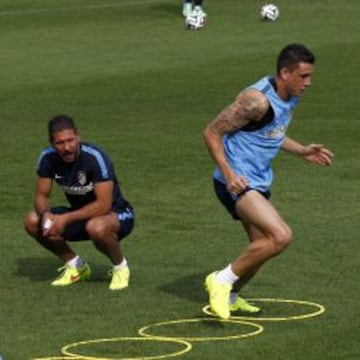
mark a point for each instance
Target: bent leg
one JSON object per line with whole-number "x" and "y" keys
{"x": 254, "y": 234}
{"x": 268, "y": 233}
{"x": 57, "y": 246}
{"x": 106, "y": 232}
{"x": 103, "y": 231}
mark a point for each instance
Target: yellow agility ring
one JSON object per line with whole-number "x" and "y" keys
{"x": 72, "y": 355}
{"x": 318, "y": 310}
{"x": 186, "y": 341}
{"x": 57, "y": 358}
{"x": 144, "y": 331}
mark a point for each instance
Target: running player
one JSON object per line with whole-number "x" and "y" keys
{"x": 243, "y": 140}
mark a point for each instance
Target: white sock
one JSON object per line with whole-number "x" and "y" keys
{"x": 122, "y": 265}
{"x": 226, "y": 276}
{"x": 76, "y": 262}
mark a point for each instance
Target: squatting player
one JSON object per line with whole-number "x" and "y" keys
{"x": 97, "y": 211}
{"x": 243, "y": 140}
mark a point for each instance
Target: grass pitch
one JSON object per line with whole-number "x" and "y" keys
{"x": 143, "y": 88}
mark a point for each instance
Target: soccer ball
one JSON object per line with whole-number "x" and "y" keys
{"x": 195, "y": 21}
{"x": 269, "y": 12}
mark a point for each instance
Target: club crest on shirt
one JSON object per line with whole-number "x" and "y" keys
{"x": 276, "y": 133}
{"x": 81, "y": 176}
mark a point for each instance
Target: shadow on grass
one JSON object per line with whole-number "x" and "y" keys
{"x": 190, "y": 287}
{"x": 41, "y": 269}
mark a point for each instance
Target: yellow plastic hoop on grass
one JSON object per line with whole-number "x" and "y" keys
{"x": 72, "y": 355}
{"x": 258, "y": 329}
{"x": 319, "y": 309}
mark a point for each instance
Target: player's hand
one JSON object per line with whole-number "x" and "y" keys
{"x": 317, "y": 154}
{"x": 237, "y": 184}
{"x": 46, "y": 223}
{"x": 53, "y": 225}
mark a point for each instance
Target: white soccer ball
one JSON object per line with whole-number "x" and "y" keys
{"x": 269, "y": 12}
{"x": 195, "y": 21}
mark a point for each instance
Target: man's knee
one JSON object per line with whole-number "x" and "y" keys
{"x": 282, "y": 237}
{"x": 31, "y": 223}
{"x": 97, "y": 228}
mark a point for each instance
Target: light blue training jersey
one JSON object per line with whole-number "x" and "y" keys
{"x": 250, "y": 152}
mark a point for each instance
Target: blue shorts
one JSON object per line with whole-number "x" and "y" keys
{"x": 229, "y": 201}
{"x": 76, "y": 231}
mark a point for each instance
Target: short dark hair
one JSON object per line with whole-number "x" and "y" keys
{"x": 291, "y": 55}
{"x": 59, "y": 123}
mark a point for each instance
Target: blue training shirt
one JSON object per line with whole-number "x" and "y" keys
{"x": 250, "y": 151}
{"x": 77, "y": 179}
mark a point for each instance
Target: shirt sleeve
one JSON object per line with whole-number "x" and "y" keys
{"x": 44, "y": 166}
{"x": 103, "y": 169}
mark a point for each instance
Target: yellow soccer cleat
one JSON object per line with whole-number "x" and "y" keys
{"x": 242, "y": 305}
{"x": 218, "y": 296}
{"x": 71, "y": 275}
{"x": 120, "y": 279}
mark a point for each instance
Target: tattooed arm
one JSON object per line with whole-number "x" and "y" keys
{"x": 250, "y": 106}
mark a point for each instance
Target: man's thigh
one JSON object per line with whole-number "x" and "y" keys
{"x": 121, "y": 223}
{"x": 255, "y": 209}
{"x": 75, "y": 231}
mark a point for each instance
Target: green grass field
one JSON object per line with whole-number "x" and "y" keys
{"x": 143, "y": 88}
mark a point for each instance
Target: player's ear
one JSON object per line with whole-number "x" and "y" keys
{"x": 284, "y": 73}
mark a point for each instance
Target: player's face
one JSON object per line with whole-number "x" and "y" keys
{"x": 297, "y": 80}
{"x": 66, "y": 144}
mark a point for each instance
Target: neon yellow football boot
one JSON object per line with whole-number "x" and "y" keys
{"x": 243, "y": 306}
{"x": 71, "y": 275}
{"x": 120, "y": 279}
{"x": 218, "y": 296}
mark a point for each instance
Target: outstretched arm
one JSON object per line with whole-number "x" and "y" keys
{"x": 314, "y": 153}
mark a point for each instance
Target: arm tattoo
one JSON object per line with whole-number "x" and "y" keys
{"x": 249, "y": 106}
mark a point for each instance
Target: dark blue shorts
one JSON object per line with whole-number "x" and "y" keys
{"x": 76, "y": 231}
{"x": 229, "y": 201}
